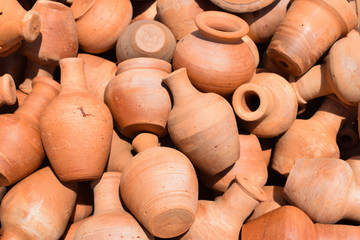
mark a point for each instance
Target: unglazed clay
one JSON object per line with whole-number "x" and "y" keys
{"x": 240, "y": 6}
{"x": 354, "y": 163}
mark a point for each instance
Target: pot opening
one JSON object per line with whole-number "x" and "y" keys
{"x": 252, "y": 101}
{"x": 223, "y": 25}
{"x": 283, "y": 64}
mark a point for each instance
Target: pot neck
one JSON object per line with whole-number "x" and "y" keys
{"x": 72, "y": 75}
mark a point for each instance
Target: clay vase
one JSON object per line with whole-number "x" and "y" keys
{"x": 136, "y": 98}
{"x": 347, "y": 136}
{"x": 21, "y": 147}
{"x": 223, "y": 218}
{"x": 289, "y": 222}
{"x": 240, "y": 6}
{"x": 120, "y": 154}
{"x": 7, "y": 90}
{"x": 76, "y": 128}
{"x": 179, "y": 15}
{"x": 14, "y": 65}
{"x": 267, "y": 105}
{"x": 311, "y": 138}
{"x": 160, "y": 188}
{"x": 83, "y": 204}
{"x": 354, "y": 163}
{"x": 146, "y": 38}
{"x": 110, "y": 220}
{"x": 251, "y": 164}
{"x": 210, "y": 136}
{"x": 144, "y": 10}
{"x": 264, "y": 22}
{"x": 215, "y": 56}
{"x": 99, "y": 23}
{"x": 29, "y": 212}
{"x": 18, "y": 24}
{"x": 98, "y": 73}
{"x": 58, "y": 39}
{"x": 325, "y": 189}
{"x": 307, "y": 31}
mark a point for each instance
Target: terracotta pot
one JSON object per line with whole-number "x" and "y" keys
{"x": 110, "y": 220}
{"x": 13, "y": 65}
{"x": 308, "y": 30}
{"x": 145, "y": 104}
{"x": 20, "y": 142}
{"x": 120, "y": 154}
{"x": 160, "y": 188}
{"x": 223, "y": 218}
{"x": 289, "y": 222}
{"x": 251, "y": 164}
{"x": 266, "y": 106}
{"x": 98, "y": 73}
{"x": 216, "y": 58}
{"x": 210, "y": 136}
{"x": 18, "y": 25}
{"x": 264, "y": 22}
{"x": 325, "y": 189}
{"x": 347, "y": 136}
{"x": 29, "y": 212}
{"x": 311, "y": 138}
{"x": 253, "y": 49}
{"x": 179, "y": 16}
{"x": 7, "y": 90}
{"x": 145, "y": 10}
{"x": 354, "y": 163}
{"x": 146, "y": 38}
{"x": 99, "y": 23}
{"x": 83, "y": 204}
{"x": 241, "y": 6}
{"x": 76, "y": 128}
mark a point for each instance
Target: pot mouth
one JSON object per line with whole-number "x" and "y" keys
{"x": 252, "y": 190}
{"x": 143, "y": 63}
{"x": 242, "y": 6}
{"x": 80, "y": 7}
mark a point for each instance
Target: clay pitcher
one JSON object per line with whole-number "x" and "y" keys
{"x": 7, "y": 90}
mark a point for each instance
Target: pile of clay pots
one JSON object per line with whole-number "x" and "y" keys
{"x": 179, "y": 119}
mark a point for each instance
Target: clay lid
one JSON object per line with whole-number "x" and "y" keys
{"x": 252, "y": 190}
{"x": 80, "y": 7}
{"x": 241, "y": 6}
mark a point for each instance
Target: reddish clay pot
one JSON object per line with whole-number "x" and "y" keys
{"x": 99, "y": 23}
{"x": 29, "y": 212}
{"x": 354, "y": 163}
{"x": 160, "y": 188}
{"x": 216, "y": 58}
{"x": 110, "y": 220}
{"x": 136, "y": 98}
{"x": 120, "y": 154}
{"x": 311, "y": 138}
{"x": 241, "y": 6}
{"x": 210, "y": 136}
{"x": 267, "y": 105}
{"x": 18, "y": 25}
{"x": 20, "y": 143}
{"x": 7, "y": 90}
{"x": 76, "y": 128}
{"x": 325, "y": 189}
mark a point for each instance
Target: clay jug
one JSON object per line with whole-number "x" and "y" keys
{"x": 160, "y": 188}
{"x": 98, "y": 73}
{"x": 21, "y": 147}
{"x": 38, "y": 207}
{"x": 7, "y": 90}
{"x": 136, "y": 98}
{"x": 325, "y": 189}
{"x": 145, "y": 10}
{"x": 311, "y": 138}
{"x": 120, "y": 154}
{"x": 347, "y": 136}
{"x": 266, "y": 106}
{"x": 99, "y": 23}
{"x": 110, "y": 220}
{"x": 76, "y": 128}
{"x": 251, "y": 164}
{"x": 146, "y": 38}
{"x": 14, "y": 65}
{"x": 223, "y": 218}
{"x": 18, "y": 25}
{"x": 354, "y": 163}
{"x": 202, "y": 125}
{"x": 307, "y": 31}
{"x": 179, "y": 16}
{"x": 241, "y": 6}
{"x": 215, "y": 56}
{"x": 289, "y": 222}
{"x": 83, "y": 204}
{"x": 58, "y": 39}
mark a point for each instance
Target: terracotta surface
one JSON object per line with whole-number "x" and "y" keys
{"x": 354, "y": 163}
{"x": 7, "y": 90}
{"x": 241, "y": 6}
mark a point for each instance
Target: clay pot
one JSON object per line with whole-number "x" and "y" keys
{"x": 20, "y": 142}
{"x": 179, "y": 16}
{"x": 253, "y": 49}
{"x": 110, "y": 220}
{"x": 266, "y": 106}
{"x": 202, "y": 125}
{"x": 13, "y": 65}
{"x": 98, "y": 73}
{"x": 83, "y": 204}
{"x": 7, "y": 90}
{"x": 311, "y": 138}
{"x": 241, "y": 6}
{"x": 18, "y": 25}
{"x": 308, "y": 30}
{"x": 76, "y": 128}
{"x": 120, "y": 154}
{"x": 136, "y": 98}
{"x": 354, "y": 163}
{"x": 29, "y": 212}
{"x": 216, "y": 58}
{"x": 325, "y": 189}
{"x": 71, "y": 230}
{"x": 289, "y": 222}
{"x": 99, "y": 23}
{"x": 144, "y": 10}
{"x": 264, "y": 22}
{"x": 146, "y": 38}
{"x": 160, "y": 188}
{"x": 251, "y": 164}
{"x": 223, "y": 218}
{"x": 347, "y": 136}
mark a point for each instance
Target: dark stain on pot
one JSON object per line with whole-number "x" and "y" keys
{"x": 83, "y": 112}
